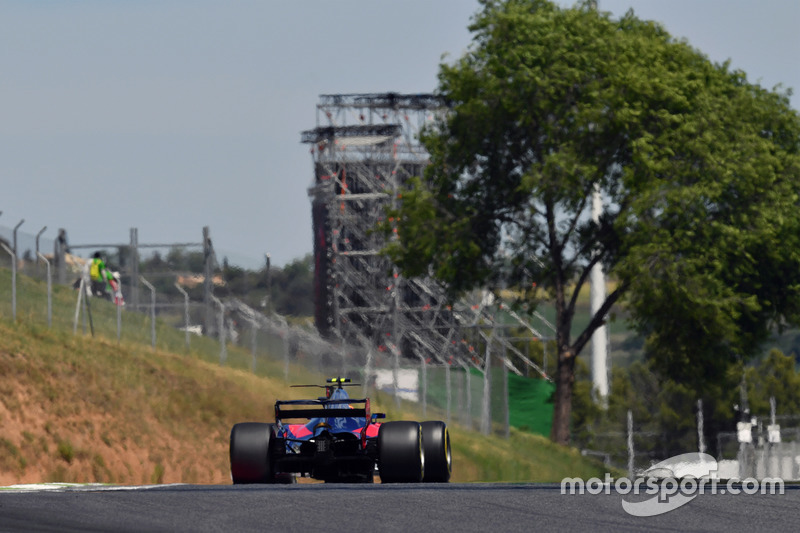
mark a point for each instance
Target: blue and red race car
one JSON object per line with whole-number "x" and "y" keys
{"x": 341, "y": 441}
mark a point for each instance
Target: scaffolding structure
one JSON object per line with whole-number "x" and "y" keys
{"x": 364, "y": 149}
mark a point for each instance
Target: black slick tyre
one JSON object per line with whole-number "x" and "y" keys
{"x": 436, "y": 447}
{"x": 250, "y": 453}
{"x": 400, "y": 454}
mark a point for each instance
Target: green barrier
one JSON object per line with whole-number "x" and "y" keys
{"x": 530, "y": 404}
{"x": 530, "y": 400}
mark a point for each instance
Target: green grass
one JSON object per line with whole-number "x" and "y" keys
{"x": 77, "y": 408}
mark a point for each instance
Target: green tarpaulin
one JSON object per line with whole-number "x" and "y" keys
{"x": 530, "y": 401}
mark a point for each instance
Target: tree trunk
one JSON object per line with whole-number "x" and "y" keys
{"x": 565, "y": 376}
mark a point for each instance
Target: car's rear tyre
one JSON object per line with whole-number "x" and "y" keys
{"x": 436, "y": 446}
{"x": 400, "y": 454}
{"x": 250, "y": 453}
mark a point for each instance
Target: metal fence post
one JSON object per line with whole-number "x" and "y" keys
{"x": 37, "y": 243}
{"x": 208, "y": 273}
{"x": 343, "y": 351}
{"x": 701, "y": 440}
{"x": 253, "y": 346}
{"x": 468, "y": 390}
{"x": 49, "y": 290}
{"x": 286, "y": 346}
{"x": 59, "y": 255}
{"x": 367, "y": 370}
{"x": 448, "y": 387}
{"x": 395, "y": 373}
{"x": 630, "y": 445}
{"x": 81, "y": 295}
{"x": 486, "y": 406}
{"x": 119, "y": 323}
{"x": 85, "y": 311}
{"x": 152, "y": 310}
{"x": 424, "y": 388}
{"x": 13, "y": 280}
{"x": 506, "y": 409}
{"x": 269, "y": 286}
{"x": 185, "y": 312}
{"x": 15, "y": 236}
{"x": 223, "y": 349}
{"x": 134, "y": 268}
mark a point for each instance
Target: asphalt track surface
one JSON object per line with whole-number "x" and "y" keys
{"x": 357, "y": 508}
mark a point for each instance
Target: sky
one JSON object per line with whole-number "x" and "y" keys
{"x": 171, "y": 115}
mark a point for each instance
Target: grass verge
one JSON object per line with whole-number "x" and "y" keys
{"x": 76, "y": 408}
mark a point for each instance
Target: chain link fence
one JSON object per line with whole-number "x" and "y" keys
{"x": 230, "y": 333}
{"x": 763, "y": 447}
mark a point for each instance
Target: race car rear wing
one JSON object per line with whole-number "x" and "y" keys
{"x": 291, "y": 409}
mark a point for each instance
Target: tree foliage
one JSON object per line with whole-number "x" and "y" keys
{"x": 775, "y": 377}
{"x": 286, "y": 290}
{"x": 665, "y": 412}
{"x": 713, "y": 247}
{"x": 697, "y": 169}
{"x": 293, "y": 287}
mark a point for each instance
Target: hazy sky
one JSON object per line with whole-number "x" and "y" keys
{"x": 171, "y": 115}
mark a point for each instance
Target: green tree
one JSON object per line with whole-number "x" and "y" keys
{"x": 716, "y": 230}
{"x": 664, "y": 413}
{"x": 697, "y": 170}
{"x": 774, "y": 377}
{"x": 293, "y": 287}
{"x": 179, "y": 258}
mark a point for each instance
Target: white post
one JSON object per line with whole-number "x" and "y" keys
{"x": 701, "y": 439}
{"x": 596, "y": 298}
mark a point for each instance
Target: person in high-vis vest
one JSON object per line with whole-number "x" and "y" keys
{"x": 100, "y": 276}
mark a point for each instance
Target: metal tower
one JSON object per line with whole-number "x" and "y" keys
{"x": 364, "y": 149}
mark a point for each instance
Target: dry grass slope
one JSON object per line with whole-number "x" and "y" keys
{"x": 79, "y": 409}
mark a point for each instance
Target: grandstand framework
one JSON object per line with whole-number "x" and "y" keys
{"x": 364, "y": 149}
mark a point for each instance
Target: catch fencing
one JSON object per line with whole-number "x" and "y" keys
{"x": 227, "y": 331}
{"x": 762, "y": 447}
